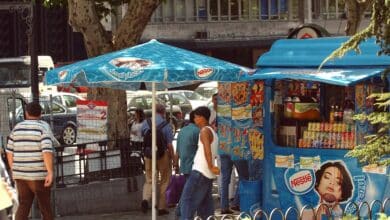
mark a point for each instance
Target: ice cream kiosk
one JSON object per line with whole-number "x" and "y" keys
{"x": 297, "y": 120}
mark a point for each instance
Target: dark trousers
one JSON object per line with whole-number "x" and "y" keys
{"x": 27, "y": 190}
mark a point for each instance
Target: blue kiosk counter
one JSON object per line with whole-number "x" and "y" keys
{"x": 297, "y": 121}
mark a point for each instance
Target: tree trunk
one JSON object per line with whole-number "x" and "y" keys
{"x": 355, "y": 12}
{"x": 134, "y": 22}
{"x": 84, "y": 18}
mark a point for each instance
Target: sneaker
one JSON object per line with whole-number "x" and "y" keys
{"x": 144, "y": 206}
{"x": 226, "y": 212}
{"x": 163, "y": 212}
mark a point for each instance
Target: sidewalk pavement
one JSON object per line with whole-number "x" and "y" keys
{"x": 133, "y": 215}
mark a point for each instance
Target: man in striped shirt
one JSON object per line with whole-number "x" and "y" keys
{"x": 30, "y": 156}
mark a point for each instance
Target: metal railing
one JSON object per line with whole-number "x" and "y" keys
{"x": 88, "y": 162}
{"x": 351, "y": 211}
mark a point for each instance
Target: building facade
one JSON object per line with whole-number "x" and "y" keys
{"x": 241, "y": 30}
{"x": 235, "y": 30}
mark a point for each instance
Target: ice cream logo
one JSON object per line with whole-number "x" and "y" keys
{"x": 91, "y": 105}
{"x": 123, "y": 64}
{"x": 299, "y": 182}
{"x": 62, "y": 74}
{"x": 204, "y": 72}
{"x": 132, "y": 63}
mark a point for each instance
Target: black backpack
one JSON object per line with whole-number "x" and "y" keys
{"x": 161, "y": 141}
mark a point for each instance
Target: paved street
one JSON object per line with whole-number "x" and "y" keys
{"x": 134, "y": 215}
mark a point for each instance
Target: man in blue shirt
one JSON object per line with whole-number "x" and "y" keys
{"x": 187, "y": 144}
{"x": 164, "y": 165}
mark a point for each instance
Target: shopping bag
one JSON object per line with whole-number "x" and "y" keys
{"x": 174, "y": 189}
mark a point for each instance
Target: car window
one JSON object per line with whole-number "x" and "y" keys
{"x": 45, "y": 109}
{"x": 57, "y": 99}
{"x": 57, "y": 109}
{"x": 15, "y": 107}
{"x": 70, "y": 101}
{"x": 178, "y": 99}
{"x": 137, "y": 102}
{"x": 148, "y": 101}
{"x": 207, "y": 92}
{"x": 163, "y": 97}
{"x": 194, "y": 96}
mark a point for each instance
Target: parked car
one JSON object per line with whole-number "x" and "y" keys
{"x": 175, "y": 98}
{"x": 207, "y": 89}
{"x": 67, "y": 99}
{"x": 195, "y": 98}
{"x": 64, "y": 123}
{"x": 143, "y": 100}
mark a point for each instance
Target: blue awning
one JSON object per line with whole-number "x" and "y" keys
{"x": 310, "y": 53}
{"x": 341, "y": 77}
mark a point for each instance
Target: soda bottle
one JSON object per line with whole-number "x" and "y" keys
{"x": 336, "y": 113}
{"x": 331, "y": 115}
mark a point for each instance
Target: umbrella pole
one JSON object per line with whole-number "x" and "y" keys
{"x": 154, "y": 180}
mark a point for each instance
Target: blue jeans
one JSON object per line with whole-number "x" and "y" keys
{"x": 177, "y": 211}
{"x": 197, "y": 197}
{"x": 226, "y": 171}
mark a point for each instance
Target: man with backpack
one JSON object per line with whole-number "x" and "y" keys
{"x": 164, "y": 154}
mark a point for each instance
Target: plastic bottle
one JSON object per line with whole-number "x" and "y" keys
{"x": 340, "y": 114}
{"x": 336, "y": 113}
{"x": 348, "y": 112}
{"x": 331, "y": 115}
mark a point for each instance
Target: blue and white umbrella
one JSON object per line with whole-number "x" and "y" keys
{"x": 155, "y": 64}
{"x": 150, "y": 62}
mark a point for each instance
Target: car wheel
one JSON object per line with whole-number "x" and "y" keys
{"x": 69, "y": 135}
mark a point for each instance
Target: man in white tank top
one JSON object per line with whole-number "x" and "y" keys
{"x": 197, "y": 192}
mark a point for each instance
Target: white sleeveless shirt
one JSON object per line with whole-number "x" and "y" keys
{"x": 200, "y": 163}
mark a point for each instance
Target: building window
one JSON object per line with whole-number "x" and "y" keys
{"x": 333, "y": 9}
{"x": 201, "y": 8}
{"x": 190, "y": 10}
{"x": 244, "y": 9}
{"x": 254, "y": 9}
{"x": 214, "y": 10}
{"x": 234, "y": 10}
{"x": 274, "y": 9}
{"x": 225, "y": 10}
{"x": 168, "y": 11}
{"x": 180, "y": 10}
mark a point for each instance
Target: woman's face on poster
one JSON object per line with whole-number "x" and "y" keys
{"x": 329, "y": 187}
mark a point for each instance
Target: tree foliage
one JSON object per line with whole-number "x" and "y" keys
{"x": 377, "y": 147}
{"x": 376, "y": 150}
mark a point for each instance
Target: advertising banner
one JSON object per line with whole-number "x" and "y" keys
{"x": 298, "y": 180}
{"x": 240, "y": 119}
{"x": 91, "y": 121}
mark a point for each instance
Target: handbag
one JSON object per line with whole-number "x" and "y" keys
{"x": 174, "y": 189}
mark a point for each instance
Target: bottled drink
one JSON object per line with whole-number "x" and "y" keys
{"x": 336, "y": 113}
{"x": 331, "y": 115}
{"x": 340, "y": 114}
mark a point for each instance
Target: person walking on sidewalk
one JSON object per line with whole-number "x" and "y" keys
{"x": 30, "y": 157}
{"x": 187, "y": 145}
{"x": 197, "y": 192}
{"x": 164, "y": 165}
